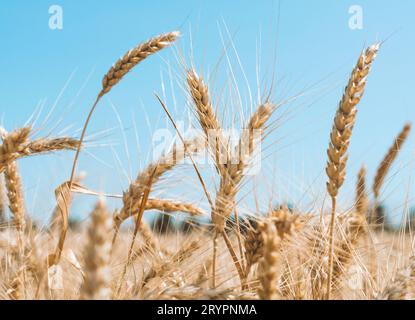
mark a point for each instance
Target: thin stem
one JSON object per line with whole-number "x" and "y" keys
{"x": 185, "y": 149}
{"x": 235, "y": 260}
{"x": 238, "y": 228}
{"x": 136, "y": 228}
{"x": 81, "y": 139}
{"x": 215, "y": 249}
{"x": 64, "y": 230}
{"x": 331, "y": 246}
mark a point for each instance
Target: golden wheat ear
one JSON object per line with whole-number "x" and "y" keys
{"x": 341, "y": 132}
{"x": 17, "y": 145}
{"x": 96, "y": 285}
{"x": 362, "y": 199}
{"x": 134, "y": 57}
{"x": 389, "y": 158}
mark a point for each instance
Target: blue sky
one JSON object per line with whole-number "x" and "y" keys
{"x": 314, "y": 51}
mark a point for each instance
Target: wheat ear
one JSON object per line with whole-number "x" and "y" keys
{"x": 166, "y": 206}
{"x": 17, "y": 145}
{"x": 286, "y": 224}
{"x": 362, "y": 201}
{"x": 268, "y": 263}
{"x": 96, "y": 285}
{"x": 124, "y": 65}
{"x": 231, "y": 175}
{"x": 387, "y": 161}
{"x": 12, "y": 145}
{"x": 341, "y": 132}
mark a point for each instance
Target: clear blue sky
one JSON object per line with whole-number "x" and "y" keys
{"x": 61, "y": 70}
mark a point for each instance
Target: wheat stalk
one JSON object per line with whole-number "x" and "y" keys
{"x": 111, "y": 78}
{"x": 96, "y": 285}
{"x": 341, "y": 132}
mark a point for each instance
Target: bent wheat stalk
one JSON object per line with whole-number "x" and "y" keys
{"x": 341, "y": 132}
{"x": 113, "y": 76}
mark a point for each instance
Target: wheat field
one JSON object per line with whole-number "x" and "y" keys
{"x": 282, "y": 253}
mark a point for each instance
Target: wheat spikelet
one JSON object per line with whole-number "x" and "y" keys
{"x": 341, "y": 132}
{"x": 362, "y": 202}
{"x": 268, "y": 264}
{"x": 134, "y": 57}
{"x": 387, "y": 161}
{"x": 97, "y": 256}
